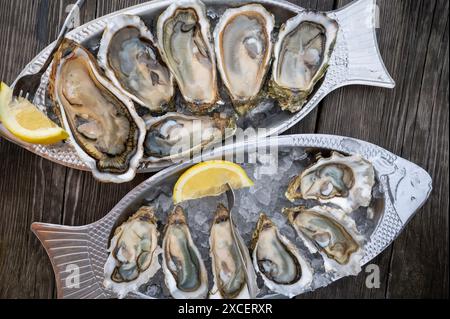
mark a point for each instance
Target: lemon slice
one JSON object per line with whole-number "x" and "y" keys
{"x": 25, "y": 121}
{"x": 209, "y": 179}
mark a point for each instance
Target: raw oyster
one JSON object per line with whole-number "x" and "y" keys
{"x": 184, "y": 270}
{"x": 174, "y": 136}
{"x": 234, "y": 276}
{"x": 185, "y": 40}
{"x": 103, "y": 125}
{"x": 133, "y": 63}
{"x": 302, "y": 54}
{"x": 345, "y": 181}
{"x": 331, "y": 232}
{"x": 134, "y": 252}
{"x": 278, "y": 261}
{"x": 243, "y": 44}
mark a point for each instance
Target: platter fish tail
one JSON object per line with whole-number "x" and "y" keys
{"x": 357, "y": 53}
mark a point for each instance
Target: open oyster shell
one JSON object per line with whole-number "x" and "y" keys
{"x": 184, "y": 270}
{"x": 134, "y": 252}
{"x": 345, "y": 181}
{"x": 175, "y": 136}
{"x": 102, "y": 123}
{"x": 278, "y": 261}
{"x": 184, "y": 38}
{"x": 333, "y": 234}
{"x": 234, "y": 276}
{"x": 132, "y": 61}
{"x": 243, "y": 45}
{"x": 302, "y": 54}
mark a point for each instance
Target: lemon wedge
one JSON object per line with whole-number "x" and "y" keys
{"x": 25, "y": 121}
{"x": 209, "y": 179}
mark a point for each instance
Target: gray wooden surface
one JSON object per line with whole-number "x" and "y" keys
{"x": 411, "y": 121}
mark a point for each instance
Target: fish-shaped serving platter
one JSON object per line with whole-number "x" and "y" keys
{"x": 355, "y": 59}
{"x": 79, "y": 254}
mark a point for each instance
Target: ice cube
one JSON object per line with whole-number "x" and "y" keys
{"x": 285, "y": 164}
{"x": 298, "y": 154}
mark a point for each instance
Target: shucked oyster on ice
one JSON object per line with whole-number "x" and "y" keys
{"x": 346, "y": 181}
{"x": 278, "y": 261}
{"x": 174, "y": 136}
{"x": 234, "y": 276}
{"x": 184, "y": 38}
{"x": 102, "y": 123}
{"x": 243, "y": 44}
{"x": 184, "y": 270}
{"x": 134, "y": 252}
{"x": 132, "y": 61}
{"x": 331, "y": 232}
{"x": 302, "y": 54}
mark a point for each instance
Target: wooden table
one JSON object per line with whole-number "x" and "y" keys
{"x": 412, "y": 121}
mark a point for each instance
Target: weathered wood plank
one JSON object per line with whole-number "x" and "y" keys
{"x": 388, "y": 118}
{"x": 87, "y": 200}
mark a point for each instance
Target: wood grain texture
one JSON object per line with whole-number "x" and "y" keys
{"x": 411, "y": 121}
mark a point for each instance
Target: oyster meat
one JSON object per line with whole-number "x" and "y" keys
{"x": 134, "y": 252}
{"x": 184, "y": 38}
{"x": 102, "y": 123}
{"x": 345, "y": 181}
{"x": 243, "y": 45}
{"x": 133, "y": 63}
{"x": 332, "y": 233}
{"x": 302, "y": 55}
{"x": 174, "y": 136}
{"x": 234, "y": 276}
{"x": 184, "y": 270}
{"x": 281, "y": 266}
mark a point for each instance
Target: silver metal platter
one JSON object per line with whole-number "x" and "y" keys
{"x": 355, "y": 60}
{"x": 401, "y": 189}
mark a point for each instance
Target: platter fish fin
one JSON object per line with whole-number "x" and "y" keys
{"x": 69, "y": 251}
{"x": 358, "y": 22}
